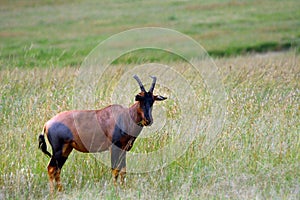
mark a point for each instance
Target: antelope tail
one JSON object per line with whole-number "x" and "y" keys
{"x": 43, "y": 145}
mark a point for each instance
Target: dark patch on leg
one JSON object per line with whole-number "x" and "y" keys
{"x": 59, "y": 136}
{"x": 61, "y": 161}
{"x": 67, "y": 149}
{"x": 118, "y": 157}
{"x": 118, "y": 163}
{"x": 54, "y": 170}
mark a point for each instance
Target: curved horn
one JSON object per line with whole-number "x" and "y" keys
{"x": 153, "y": 84}
{"x": 140, "y": 83}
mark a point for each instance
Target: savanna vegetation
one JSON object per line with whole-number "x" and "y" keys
{"x": 42, "y": 44}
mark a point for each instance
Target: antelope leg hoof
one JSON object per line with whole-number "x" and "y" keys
{"x": 115, "y": 174}
{"x": 123, "y": 175}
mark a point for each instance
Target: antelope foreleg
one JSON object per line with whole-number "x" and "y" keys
{"x": 122, "y": 175}
{"x": 118, "y": 163}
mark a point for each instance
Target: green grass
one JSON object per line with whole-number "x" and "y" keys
{"x": 257, "y": 155}
{"x": 42, "y": 44}
{"x": 62, "y": 33}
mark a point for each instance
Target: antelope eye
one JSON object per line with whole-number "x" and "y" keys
{"x": 139, "y": 98}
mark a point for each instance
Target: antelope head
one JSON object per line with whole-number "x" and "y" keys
{"x": 146, "y": 101}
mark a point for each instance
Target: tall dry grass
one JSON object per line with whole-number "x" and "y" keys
{"x": 257, "y": 154}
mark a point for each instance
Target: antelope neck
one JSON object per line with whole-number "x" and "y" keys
{"x": 135, "y": 115}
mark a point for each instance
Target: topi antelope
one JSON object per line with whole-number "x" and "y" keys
{"x": 113, "y": 128}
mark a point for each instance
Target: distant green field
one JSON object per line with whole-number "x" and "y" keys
{"x": 61, "y": 33}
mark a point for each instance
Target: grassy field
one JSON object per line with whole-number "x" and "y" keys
{"x": 42, "y": 44}
{"x": 257, "y": 155}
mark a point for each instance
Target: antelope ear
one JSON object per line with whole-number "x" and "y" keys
{"x": 159, "y": 98}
